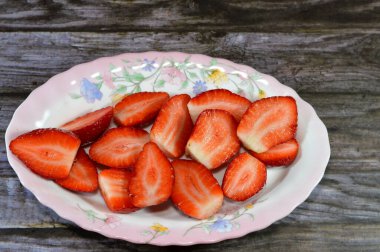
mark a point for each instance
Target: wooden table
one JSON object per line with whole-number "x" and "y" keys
{"x": 328, "y": 51}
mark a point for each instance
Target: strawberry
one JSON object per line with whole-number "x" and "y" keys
{"x": 48, "y": 152}
{"x": 139, "y": 109}
{"x": 114, "y": 184}
{"x": 83, "y": 176}
{"x": 173, "y": 126}
{"x": 279, "y": 155}
{"x": 245, "y": 176}
{"x": 91, "y": 125}
{"x": 153, "y": 180}
{"x": 119, "y": 147}
{"x": 196, "y": 192}
{"x": 218, "y": 99}
{"x": 213, "y": 140}
{"x": 268, "y": 122}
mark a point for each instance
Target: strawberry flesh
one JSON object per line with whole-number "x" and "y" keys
{"x": 218, "y": 99}
{"x": 280, "y": 155}
{"x": 49, "y": 153}
{"x": 91, "y": 125}
{"x": 213, "y": 140}
{"x": 153, "y": 180}
{"x": 83, "y": 176}
{"x": 196, "y": 192}
{"x": 268, "y": 122}
{"x": 119, "y": 147}
{"x": 172, "y": 127}
{"x": 139, "y": 109}
{"x": 245, "y": 176}
{"x": 114, "y": 187}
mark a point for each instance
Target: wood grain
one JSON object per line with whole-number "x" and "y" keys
{"x": 335, "y": 62}
{"x": 190, "y": 15}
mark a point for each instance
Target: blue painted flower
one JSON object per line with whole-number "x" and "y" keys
{"x": 90, "y": 91}
{"x": 221, "y": 225}
{"x": 199, "y": 87}
{"x": 149, "y": 65}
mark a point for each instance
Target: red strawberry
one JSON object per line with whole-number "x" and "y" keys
{"x": 268, "y": 122}
{"x": 196, "y": 192}
{"x": 279, "y": 155}
{"x": 218, "y": 99}
{"x": 119, "y": 147}
{"x": 90, "y": 126}
{"x": 245, "y": 176}
{"x": 140, "y": 108}
{"x": 114, "y": 184}
{"x": 173, "y": 126}
{"x": 153, "y": 180}
{"x": 213, "y": 140}
{"x": 48, "y": 152}
{"x": 83, "y": 176}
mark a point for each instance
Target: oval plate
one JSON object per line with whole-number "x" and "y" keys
{"x": 103, "y": 82}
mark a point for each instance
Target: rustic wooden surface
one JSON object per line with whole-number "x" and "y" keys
{"x": 328, "y": 51}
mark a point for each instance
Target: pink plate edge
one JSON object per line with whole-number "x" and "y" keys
{"x": 266, "y": 219}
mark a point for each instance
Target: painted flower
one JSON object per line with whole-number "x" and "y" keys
{"x": 249, "y": 206}
{"x": 112, "y": 221}
{"x": 221, "y": 225}
{"x": 173, "y": 75}
{"x": 107, "y": 78}
{"x": 262, "y": 94}
{"x": 199, "y": 87}
{"x": 116, "y": 97}
{"x": 217, "y": 77}
{"x": 90, "y": 91}
{"x": 157, "y": 227}
{"x": 149, "y": 65}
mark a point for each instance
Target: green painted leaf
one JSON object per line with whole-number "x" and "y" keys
{"x": 75, "y": 96}
{"x": 138, "y": 77}
{"x": 112, "y": 67}
{"x": 99, "y": 85}
{"x": 121, "y": 89}
{"x": 137, "y": 89}
{"x": 184, "y": 84}
{"x": 213, "y": 62}
{"x": 193, "y": 75}
{"x": 99, "y": 78}
{"x": 160, "y": 83}
{"x": 187, "y": 59}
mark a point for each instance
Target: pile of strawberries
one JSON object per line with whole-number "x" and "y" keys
{"x": 135, "y": 170}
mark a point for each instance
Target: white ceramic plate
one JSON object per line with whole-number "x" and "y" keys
{"x": 103, "y": 82}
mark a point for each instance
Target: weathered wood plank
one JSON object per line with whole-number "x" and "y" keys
{"x": 304, "y": 237}
{"x": 189, "y": 15}
{"x": 335, "y": 62}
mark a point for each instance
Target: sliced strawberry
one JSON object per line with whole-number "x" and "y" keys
{"x": 196, "y": 192}
{"x": 213, "y": 140}
{"x": 245, "y": 176}
{"x": 153, "y": 180}
{"x": 140, "y": 108}
{"x": 279, "y": 155}
{"x": 119, "y": 147}
{"x": 83, "y": 176}
{"x": 173, "y": 126}
{"x": 90, "y": 126}
{"x": 268, "y": 122}
{"x": 218, "y": 99}
{"x": 114, "y": 184}
{"x": 48, "y": 152}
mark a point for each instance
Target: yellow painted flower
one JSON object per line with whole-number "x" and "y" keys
{"x": 157, "y": 227}
{"x": 217, "y": 77}
{"x": 262, "y": 94}
{"x": 249, "y": 206}
{"x": 117, "y": 97}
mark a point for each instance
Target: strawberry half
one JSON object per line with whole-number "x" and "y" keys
{"x": 48, "y": 152}
{"x": 196, "y": 192}
{"x": 268, "y": 122}
{"x": 218, "y": 99}
{"x": 153, "y": 180}
{"x": 90, "y": 126}
{"x": 172, "y": 127}
{"x": 245, "y": 176}
{"x": 114, "y": 184}
{"x": 213, "y": 140}
{"x": 83, "y": 176}
{"x": 279, "y": 155}
{"x": 139, "y": 109}
{"x": 119, "y": 147}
